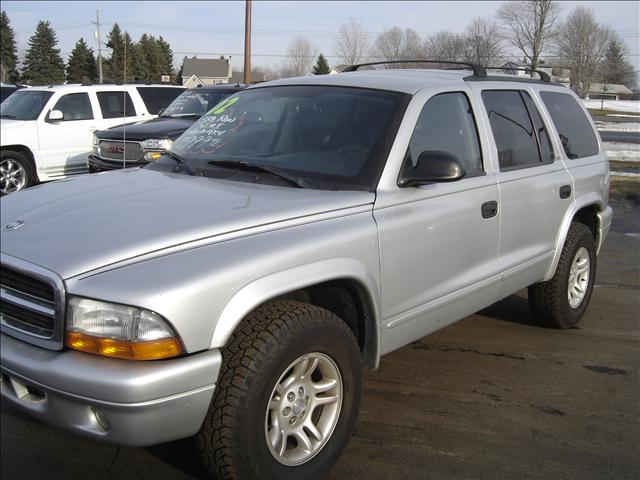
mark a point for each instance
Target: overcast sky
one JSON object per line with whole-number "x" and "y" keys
{"x": 214, "y": 28}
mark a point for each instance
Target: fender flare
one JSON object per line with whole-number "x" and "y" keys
{"x": 584, "y": 201}
{"x": 279, "y": 283}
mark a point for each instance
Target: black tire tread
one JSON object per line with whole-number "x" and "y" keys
{"x": 248, "y": 346}
{"x": 547, "y": 299}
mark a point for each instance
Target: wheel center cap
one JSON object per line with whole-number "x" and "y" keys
{"x": 298, "y": 406}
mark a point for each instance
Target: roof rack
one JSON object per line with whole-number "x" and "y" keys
{"x": 544, "y": 76}
{"x": 478, "y": 70}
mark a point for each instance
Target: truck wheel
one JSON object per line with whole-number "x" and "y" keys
{"x": 16, "y": 172}
{"x": 287, "y": 396}
{"x": 562, "y": 301}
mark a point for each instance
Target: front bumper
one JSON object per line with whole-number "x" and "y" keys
{"x": 118, "y": 401}
{"x": 97, "y": 164}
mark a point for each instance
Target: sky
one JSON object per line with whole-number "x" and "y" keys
{"x": 215, "y": 28}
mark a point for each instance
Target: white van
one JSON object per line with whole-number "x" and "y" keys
{"x": 45, "y": 131}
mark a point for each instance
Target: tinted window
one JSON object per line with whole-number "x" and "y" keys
{"x": 329, "y": 137}
{"x": 157, "y": 98}
{"x": 576, "y": 133}
{"x": 24, "y": 104}
{"x": 544, "y": 141}
{"x": 116, "y": 104}
{"x": 75, "y": 106}
{"x": 513, "y": 132}
{"x": 446, "y": 124}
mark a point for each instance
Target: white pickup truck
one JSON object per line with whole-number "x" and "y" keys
{"x": 46, "y": 130}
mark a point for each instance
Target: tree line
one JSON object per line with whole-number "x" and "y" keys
{"x": 143, "y": 61}
{"x": 531, "y": 28}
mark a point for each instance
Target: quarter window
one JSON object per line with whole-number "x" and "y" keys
{"x": 75, "y": 106}
{"x": 574, "y": 129}
{"x": 446, "y": 124}
{"x": 116, "y": 104}
{"x": 520, "y": 135}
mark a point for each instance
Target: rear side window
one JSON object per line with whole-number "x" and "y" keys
{"x": 576, "y": 133}
{"x": 116, "y": 104}
{"x": 75, "y": 106}
{"x": 446, "y": 124}
{"x": 520, "y": 144}
{"x": 157, "y": 98}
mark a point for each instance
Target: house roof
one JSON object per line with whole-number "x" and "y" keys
{"x": 610, "y": 88}
{"x": 206, "y": 67}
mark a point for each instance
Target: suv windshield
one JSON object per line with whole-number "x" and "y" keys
{"x": 195, "y": 102}
{"x": 333, "y": 138}
{"x": 24, "y": 104}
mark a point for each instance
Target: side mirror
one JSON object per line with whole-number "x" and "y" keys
{"x": 55, "y": 116}
{"x": 433, "y": 166}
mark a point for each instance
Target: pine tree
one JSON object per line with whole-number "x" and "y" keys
{"x": 8, "y": 51}
{"x": 151, "y": 52}
{"x": 81, "y": 66}
{"x": 179, "y": 80}
{"x": 321, "y": 67}
{"x": 615, "y": 68}
{"x": 120, "y": 45}
{"x": 166, "y": 57}
{"x": 43, "y": 63}
{"x": 140, "y": 65}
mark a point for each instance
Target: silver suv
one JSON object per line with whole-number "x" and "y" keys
{"x": 235, "y": 289}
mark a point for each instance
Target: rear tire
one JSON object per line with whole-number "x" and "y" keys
{"x": 16, "y": 172}
{"x": 269, "y": 379}
{"x": 562, "y": 301}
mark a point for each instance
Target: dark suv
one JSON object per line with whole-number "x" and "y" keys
{"x": 136, "y": 144}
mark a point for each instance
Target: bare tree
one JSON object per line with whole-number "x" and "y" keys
{"x": 582, "y": 44}
{"x": 398, "y": 44}
{"x": 352, "y": 43}
{"x": 445, "y": 46}
{"x": 529, "y": 24}
{"x": 301, "y": 54}
{"x": 483, "y": 42}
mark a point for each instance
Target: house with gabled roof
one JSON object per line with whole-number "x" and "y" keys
{"x": 206, "y": 71}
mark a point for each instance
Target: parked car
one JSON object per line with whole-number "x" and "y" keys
{"x": 136, "y": 144}
{"x": 234, "y": 289}
{"x": 46, "y": 131}
{"x": 6, "y": 90}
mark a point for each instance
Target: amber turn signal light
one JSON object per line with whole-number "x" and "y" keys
{"x": 107, "y": 347}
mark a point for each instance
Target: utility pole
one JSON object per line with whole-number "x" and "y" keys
{"x": 247, "y": 42}
{"x": 97, "y": 24}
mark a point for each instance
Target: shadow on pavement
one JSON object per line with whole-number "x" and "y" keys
{"x": 513, "y": 309}
{"x": 181, "y": 455}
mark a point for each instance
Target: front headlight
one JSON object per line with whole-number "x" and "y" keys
{"x": 119, "y": 331}
{"x": 157, "y": 144}
{"x": 94, "y": 144}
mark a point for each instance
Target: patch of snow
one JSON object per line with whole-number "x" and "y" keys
{"x": 617, "y": 127}
{"x": 629, "y": 152}
{"x": 619, "y": 105}
{"x": 624, "y": 174}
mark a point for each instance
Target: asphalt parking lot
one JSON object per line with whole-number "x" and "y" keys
{"x": 493, "y": 396}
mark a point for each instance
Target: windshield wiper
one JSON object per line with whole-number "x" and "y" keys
{"x": 182, "y": 162}
{"x": 242, "y": 165}
{"x": 7, "y": 116}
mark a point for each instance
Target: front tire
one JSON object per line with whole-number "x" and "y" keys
{"x": 287, "y": 397}
{"x": 16, "y": 172}
{"x": 562, "y": 301}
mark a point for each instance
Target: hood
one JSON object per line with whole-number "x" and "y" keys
{"x": 161, "y": 127}
{"x": 86, "y": 222}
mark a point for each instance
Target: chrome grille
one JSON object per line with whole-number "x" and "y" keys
{"x": 31, "y": 305}
{"x": 116, "y": 150}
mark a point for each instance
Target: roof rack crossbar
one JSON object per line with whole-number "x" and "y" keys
{"x": 478, "y": 70}
{"x": 544, "y": 76}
